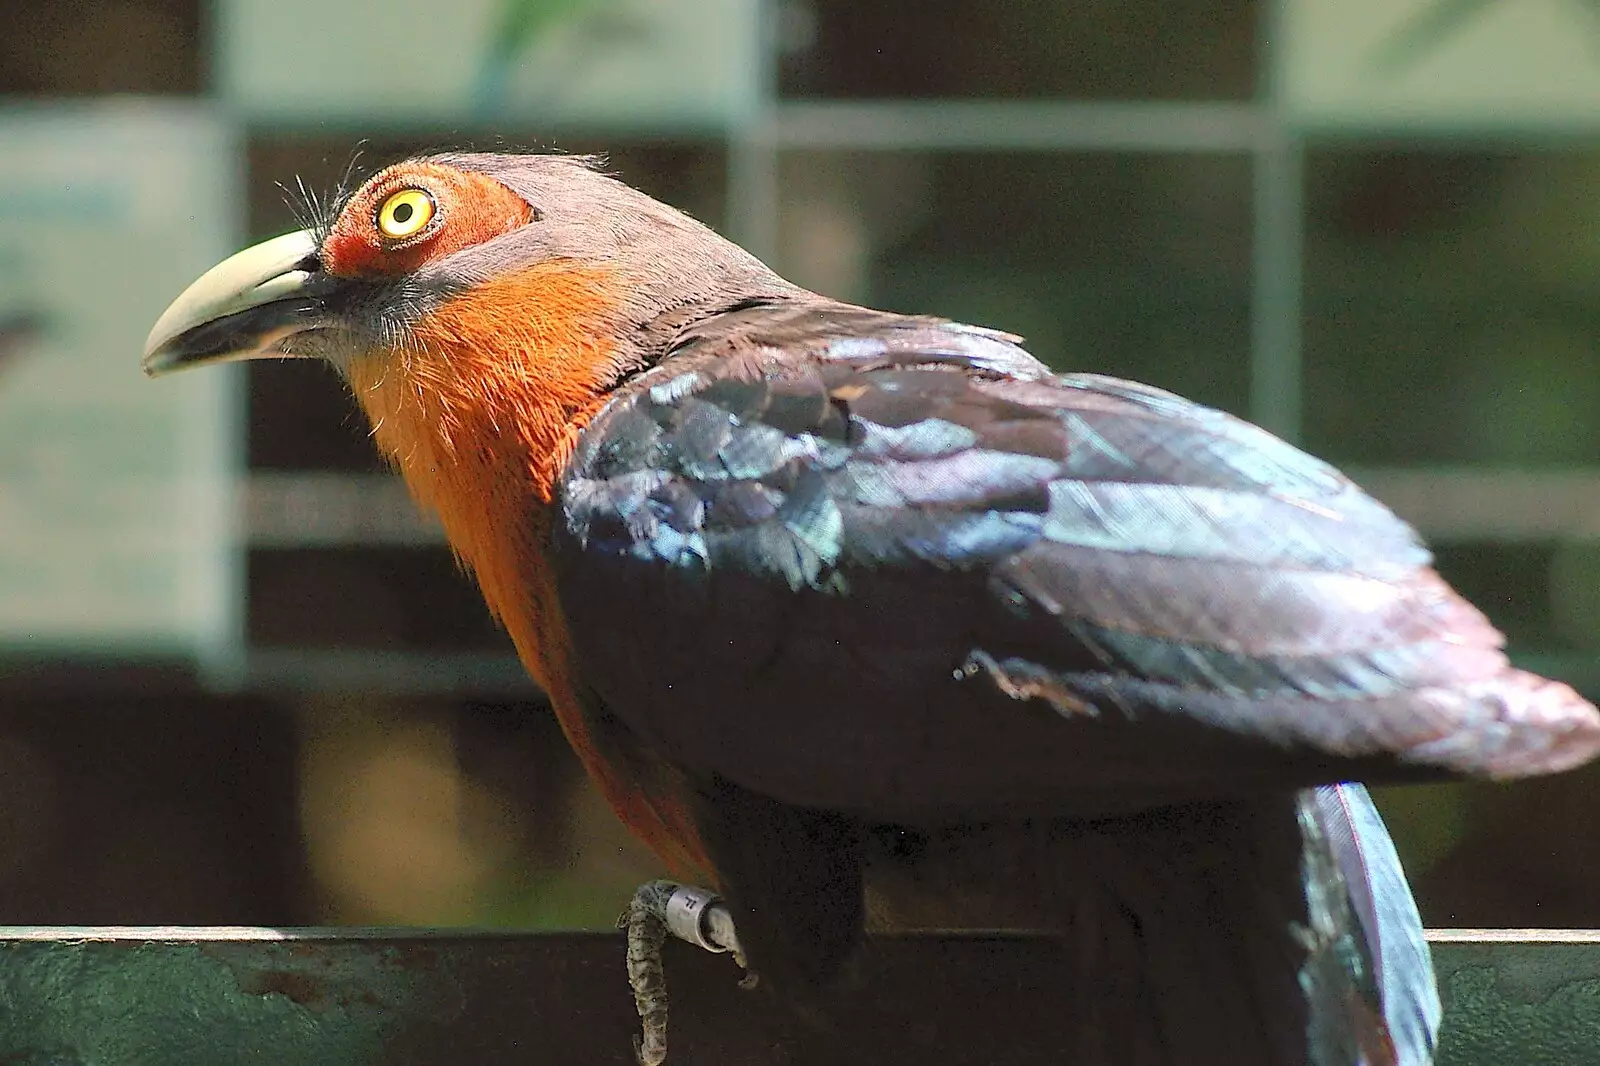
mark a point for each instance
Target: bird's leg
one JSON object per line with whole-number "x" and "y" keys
{"x": 688, "y": 913}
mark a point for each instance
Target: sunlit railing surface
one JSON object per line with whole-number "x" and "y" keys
{"x": 225, "y": 996}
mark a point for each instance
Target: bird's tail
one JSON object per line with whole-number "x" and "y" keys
{"x": 1271, "y": 931}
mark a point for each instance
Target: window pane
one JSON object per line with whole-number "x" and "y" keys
{"x": 101, "y": 46}
{"x": 1181, "y": 49}
{"x": 1451, "y": 311}
{"x": 1136, "y": 266}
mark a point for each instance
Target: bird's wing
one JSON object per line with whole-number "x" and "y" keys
{"x": 861, "y": 560}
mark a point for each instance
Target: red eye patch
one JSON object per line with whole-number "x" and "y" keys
{"x": 469, "y": 209}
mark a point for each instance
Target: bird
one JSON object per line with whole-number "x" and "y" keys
{"x": 863, "y": 619}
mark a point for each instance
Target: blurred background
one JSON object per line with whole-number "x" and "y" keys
{"x": 241, "y": 682}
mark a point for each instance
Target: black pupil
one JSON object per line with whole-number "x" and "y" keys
{"x": 402, "y": 213}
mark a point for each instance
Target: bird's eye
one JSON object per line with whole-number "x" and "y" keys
{"x": 405, "y": 214}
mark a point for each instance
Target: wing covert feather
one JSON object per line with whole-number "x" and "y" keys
{"x": 1105, "y": 549}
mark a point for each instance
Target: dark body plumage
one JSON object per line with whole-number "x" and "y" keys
{"x": 897, "y": 599}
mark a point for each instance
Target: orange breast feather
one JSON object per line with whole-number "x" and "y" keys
{"x": 480, "y": 412}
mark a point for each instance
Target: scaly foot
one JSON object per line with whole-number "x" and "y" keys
{"x": 688, "y": 913}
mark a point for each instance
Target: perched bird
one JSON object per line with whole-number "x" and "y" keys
{"x": 862, "y": 617}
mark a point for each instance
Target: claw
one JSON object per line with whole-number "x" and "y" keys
{"x": 689, "y": 913}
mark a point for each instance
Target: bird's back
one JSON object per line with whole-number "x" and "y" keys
{"x": 894, "y": 567}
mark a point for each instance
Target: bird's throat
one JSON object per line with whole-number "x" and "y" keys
{"x": 480, "y": 410}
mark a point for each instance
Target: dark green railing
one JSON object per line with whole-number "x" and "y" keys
{"x": 226, "y": 996}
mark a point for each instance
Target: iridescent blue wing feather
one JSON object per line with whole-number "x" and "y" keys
{"x": 1054, "y": 589}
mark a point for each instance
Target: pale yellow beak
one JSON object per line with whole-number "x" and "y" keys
{"x": 245, "y": 307}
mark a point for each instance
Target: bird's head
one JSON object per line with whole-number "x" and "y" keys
{"x": 482, "y": 308}
{"x": 468, "y": 299}
{"x": 510, "y": 243}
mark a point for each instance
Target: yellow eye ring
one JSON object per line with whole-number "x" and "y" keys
{"x": 405, "y": 214}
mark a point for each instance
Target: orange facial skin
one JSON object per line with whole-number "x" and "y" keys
{"x": 469, "y": 209}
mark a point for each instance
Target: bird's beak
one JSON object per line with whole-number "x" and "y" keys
{"x": 245, "y": 307}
